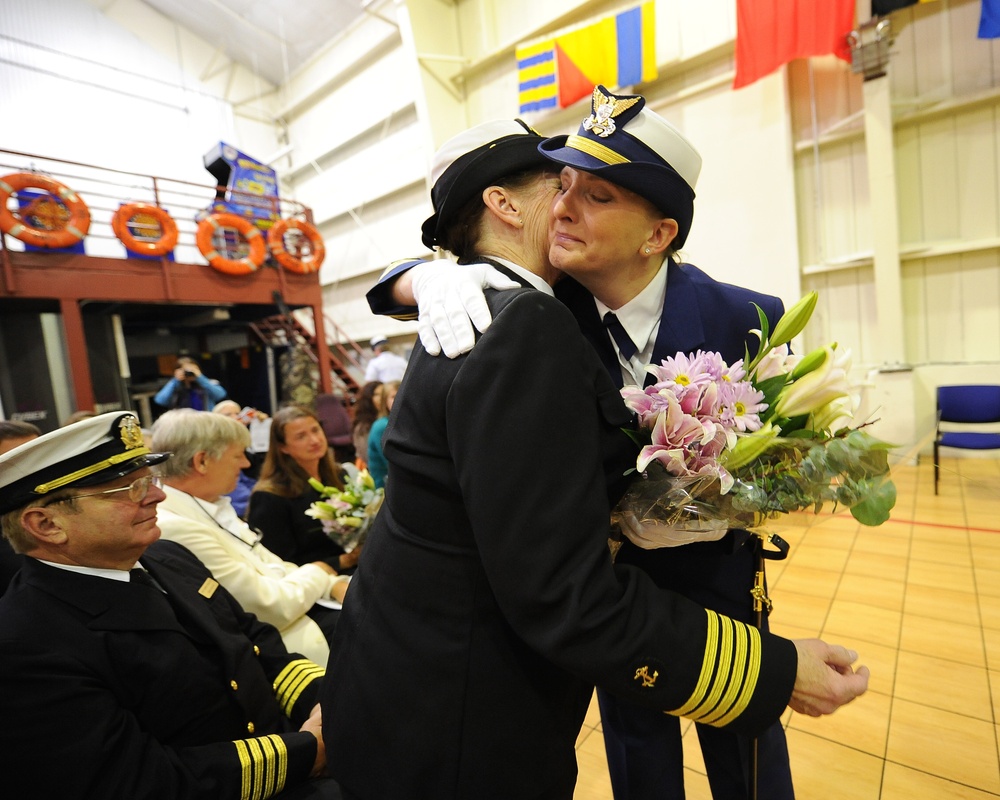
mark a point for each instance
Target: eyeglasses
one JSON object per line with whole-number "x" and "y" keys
{"x": 137, "y": 490}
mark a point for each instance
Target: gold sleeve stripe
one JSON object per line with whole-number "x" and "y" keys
{"x": 750, "y": 684}
{"x": 256, "y": 788}
{"x": 711, "y": 701}
{"x": 264, "y": 763}
{"x": 729, "y": 673}
{"x": 267, "y": 776}
{"x": 735, "y": 683}
{"x": 707, "y": 666}
{"x": 281, "y": 762}
{"x": 245, "y": 768}
{"x": 404, "y": 317}
{"x": 293, "y": 680}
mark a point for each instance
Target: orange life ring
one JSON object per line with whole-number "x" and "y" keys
{"x": 276, "y": 241}
{"x": 231, "y": 266}
{"x": 65, "y": 233}
{"x": 168, "y": 228}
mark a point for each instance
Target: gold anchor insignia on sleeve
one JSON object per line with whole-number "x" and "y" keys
{"x": 648, "y": 681}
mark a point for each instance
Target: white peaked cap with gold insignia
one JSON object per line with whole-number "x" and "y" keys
{"x": 625, "y": 143}
{"x": 90, "y": 452}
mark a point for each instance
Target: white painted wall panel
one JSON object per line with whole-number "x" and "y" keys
{"x": 843, "y": 300}
{"x": 368, "y": 175}
{"x": 979, "y": 279}
{"x": 939, "y": 167}
{"x": 365, "y": 242}
{"x": 976, "y": 174}
{"x": 839, "y": 233}
{"x": 808, "y": 212}
{"x": 914, "y": 290}
{"x": 909, "y": 185}
{"x": 945, "y": 332}
{"x": 312, "y": 82}
{"x": 746, "y": 167}
{"x": 106, "y": 96}
{"x": 685, "y": 29}
{"x": 971, "y": 67}
{"x": 348, "y": 110}
{"x": 862, "y": 206}
{"x": 931, "y": 56}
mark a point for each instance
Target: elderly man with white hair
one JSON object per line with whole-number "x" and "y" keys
{"x": 300, "y": 601}
{"x": 127, "y": 671}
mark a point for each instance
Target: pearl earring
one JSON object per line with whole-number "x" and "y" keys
{"x": 647, "y": 251}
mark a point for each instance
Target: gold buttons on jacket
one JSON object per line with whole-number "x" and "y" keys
{"x": 256, "y": 650}
{"x": 235, "y": 686}
{"x": 250, "y": 727}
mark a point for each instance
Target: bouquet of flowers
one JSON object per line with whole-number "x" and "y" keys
{"x": 347, "y": 514}
{"x": 726, "y": 446}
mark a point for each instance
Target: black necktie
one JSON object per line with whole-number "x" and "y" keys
{"x": 143, "y": 578}
{"x": 625, "y": 345}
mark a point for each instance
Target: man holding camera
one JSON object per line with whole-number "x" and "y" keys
{"x": 189, "y": 388}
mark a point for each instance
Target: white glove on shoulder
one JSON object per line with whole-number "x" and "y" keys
{"x": 451, "y": 305}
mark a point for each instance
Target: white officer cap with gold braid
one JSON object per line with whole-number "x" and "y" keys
{"x": 631, "y": 146}
{"x": 86, "y": 453}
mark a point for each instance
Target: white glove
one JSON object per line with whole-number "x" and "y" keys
{"x": 450, "y": 301}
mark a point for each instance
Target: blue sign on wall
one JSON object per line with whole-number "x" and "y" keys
{"x": 247, "y": 187}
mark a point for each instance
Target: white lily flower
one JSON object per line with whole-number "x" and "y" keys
{"x": 824, "y": 384}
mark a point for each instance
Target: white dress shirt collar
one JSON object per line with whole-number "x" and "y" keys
{"x": 98, "y": 572}
{"x": 536, "y": 281}
{"x": 640, "y": 317}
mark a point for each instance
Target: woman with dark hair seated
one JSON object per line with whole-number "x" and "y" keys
{"x": 298, "y": 451}
{"x": 366, "y": 411}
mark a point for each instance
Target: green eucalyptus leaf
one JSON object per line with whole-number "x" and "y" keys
{"x": 874, "y": 509}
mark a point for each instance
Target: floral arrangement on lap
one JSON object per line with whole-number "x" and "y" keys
{"x": 729, "y": 446}
{"x": 347, "y": 514}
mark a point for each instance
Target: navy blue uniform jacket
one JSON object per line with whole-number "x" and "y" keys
{"x": 104, "y": 695}
{"x": 485, "y": 607}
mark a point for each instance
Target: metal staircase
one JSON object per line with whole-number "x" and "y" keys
{"x": 282, "y": 330}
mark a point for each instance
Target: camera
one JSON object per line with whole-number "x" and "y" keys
{"x": 189, "y": 374}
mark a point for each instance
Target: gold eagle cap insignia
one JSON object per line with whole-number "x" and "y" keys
{"x": 131, "y": 433}
{"x": 605, "y": 108}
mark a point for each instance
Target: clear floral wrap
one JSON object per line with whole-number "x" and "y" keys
{"x": 732, "y": 446}
{"x": 663, "y": 510}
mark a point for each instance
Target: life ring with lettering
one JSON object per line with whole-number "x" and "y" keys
{"x": 148, "y": 216}
{"x": 67, "y": 218}
{"x": 247, "y": 230}
{"x": 301, "y": 264}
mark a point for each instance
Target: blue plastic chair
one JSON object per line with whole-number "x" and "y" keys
{"x": 967, "y": 405}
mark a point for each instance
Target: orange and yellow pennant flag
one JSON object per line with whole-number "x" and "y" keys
{"x": 618, "y": 50}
